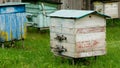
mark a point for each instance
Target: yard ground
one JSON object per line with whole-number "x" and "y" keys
{"x": 36, "y": 53}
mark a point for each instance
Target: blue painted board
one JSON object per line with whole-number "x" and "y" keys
{"x": 12, "y": 26}
{"x": 2, "y": 27}
{"x": 12, "y": 9}
{"x": 12, "y": 22}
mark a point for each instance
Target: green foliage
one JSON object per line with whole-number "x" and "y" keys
{"x": 113, "y": 22}
{"x": 37, "y": 54}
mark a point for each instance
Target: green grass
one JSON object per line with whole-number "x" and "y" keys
{"x": 37, "y": 54}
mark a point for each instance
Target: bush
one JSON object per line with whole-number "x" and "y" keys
{"x": 113, "y": 22}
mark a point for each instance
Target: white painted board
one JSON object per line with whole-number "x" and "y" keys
{"x": 85, "y": 36}
{"x": 110, "y": 9}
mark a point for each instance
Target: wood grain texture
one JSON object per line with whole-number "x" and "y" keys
{"x": 85, "y": 37}
{"x": 109, "y": 8}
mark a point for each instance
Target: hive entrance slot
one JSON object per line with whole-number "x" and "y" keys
{"x": 59, "y": 49}
{"x": 61, "y": 38}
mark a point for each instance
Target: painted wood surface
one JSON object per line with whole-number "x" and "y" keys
{"x": 39, "y": 14}
{"x": 71, "y": 4}
{"x": 110, "y": 8}
{"x": 76, "y": 4}
{"x": 78, "y": 38}
{"x": 12, "y": 23}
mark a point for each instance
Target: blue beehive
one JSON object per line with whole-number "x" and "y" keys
{"x": 12, "y": 22}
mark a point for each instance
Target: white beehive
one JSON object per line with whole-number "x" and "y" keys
{"x": 109, "y": 8}
{"x": 78, "y": 33}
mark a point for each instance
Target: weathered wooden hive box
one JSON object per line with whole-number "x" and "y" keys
{"x": 37, "y": 14}
{"x": 78, "y": 33}
{"x": 12, "y": 22}
{"x": 109, "y": 8}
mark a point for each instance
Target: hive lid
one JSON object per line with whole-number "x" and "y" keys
{"x": 12, "y": 7}
{"x": 74, "y": 13}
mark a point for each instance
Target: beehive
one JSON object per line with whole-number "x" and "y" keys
{"x": 78, "y": 33}
{"x": 12, "y": 22}
{"x": 109, "y": 8}
{"x": 37, "y": 14}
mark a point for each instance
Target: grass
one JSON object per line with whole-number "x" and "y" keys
{"x": 36, "y": 53}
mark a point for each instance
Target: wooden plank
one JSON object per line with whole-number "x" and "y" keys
{"x": 69, "y": 45}
{"x": 55, "y": 29}
{"x": 108, "y": 8}
{"x": 76, "y": 4}
{"x": 69, "y": 31}
{"x": 64, "y": 25}
{"x": 89, "y": 54}
{"x": 68, "y": 54}
{"x": 1, "y": 1}
{"x": 69, "y": 38}
{"x": 85, "y": 54}
{"x": 90, "y": 36}
{"x": 90, "y": 30}
{"x": 90, "y": 21}
{"x": 111, "y": 9}
{"x": 68, "y": 23}
{"x": 55, "y": 25}
{"x": 55, "y": 22}
{"x": 70, "y": 48}
{"x": 99, "y": 52}
{"x": 90, "y": 45}
{"x": 71, "y": 4}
